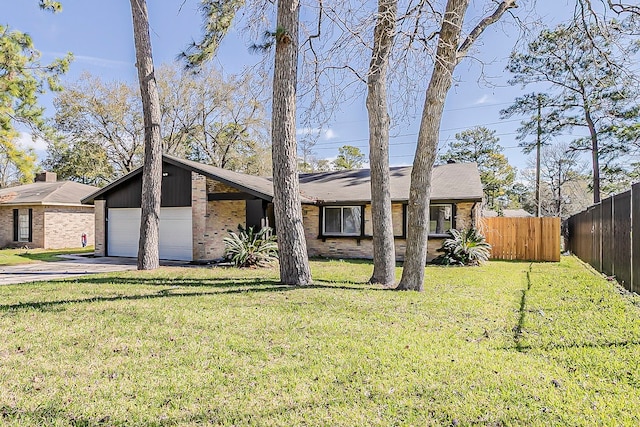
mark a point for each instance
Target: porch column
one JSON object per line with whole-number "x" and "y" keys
{"x": 199, "y": 215}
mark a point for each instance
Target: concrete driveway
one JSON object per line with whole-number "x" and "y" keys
{"x": 73, "y": 266}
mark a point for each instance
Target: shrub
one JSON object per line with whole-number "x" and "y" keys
{"x": 465, "y": 247}
{"x": 251, "y": 249}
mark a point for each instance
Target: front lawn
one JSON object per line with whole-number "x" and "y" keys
{"x": 26, "y": 256}
{"x": 503, "y": 344}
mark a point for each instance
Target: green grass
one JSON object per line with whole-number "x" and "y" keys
{"x": 26, "y": 256}
{"x": 503, "y": 344}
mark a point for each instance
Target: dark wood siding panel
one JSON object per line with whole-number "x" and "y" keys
{"x": 176, "y": 190}
{"x": 176, "y": 186}
{"x": 256, "y": 211}
{"x": 126, "y": 195}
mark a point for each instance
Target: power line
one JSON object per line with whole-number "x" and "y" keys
{"x": 324, "y": 145}
{"x": 446, "y": 110}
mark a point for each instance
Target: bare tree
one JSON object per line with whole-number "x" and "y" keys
{"x": 448, "y": 54}
{"x": 148, "y": 250}
{"x": 564, "y": 181}
{"x": 104, "y": 113}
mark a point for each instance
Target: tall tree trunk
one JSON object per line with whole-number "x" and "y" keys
{"x": 384, "y": 252}
{"x": 148, "y": 253}
{"x": 420, "y": 189}
{"x": 448, "y": 53}
{"x": 292, "y": 246}
{"x": 595, "y": 156}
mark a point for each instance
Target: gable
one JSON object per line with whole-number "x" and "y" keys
{"x": 176, "y": 189}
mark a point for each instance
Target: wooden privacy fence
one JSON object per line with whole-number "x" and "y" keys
{"x": 524, "y": 239}
{"x": 606, "y": 236}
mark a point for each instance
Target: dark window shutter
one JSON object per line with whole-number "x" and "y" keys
{"x": 15, "y": 225}
{"x": 30, "y": 225}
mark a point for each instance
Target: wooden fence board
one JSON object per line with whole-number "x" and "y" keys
{"x": 635, "y": 242}
{"x": 607, "y": 237}
{"x": 622, "y": 237}
{"x": 526, "y": 239}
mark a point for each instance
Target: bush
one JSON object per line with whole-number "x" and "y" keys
{"x": 466, "y": 247}
{"x": 249, "y": 249}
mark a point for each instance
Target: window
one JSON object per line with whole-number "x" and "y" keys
{"x": 23, "y": 227}
{"x": 440, "y": 218}
{"x": 342, "y": 220}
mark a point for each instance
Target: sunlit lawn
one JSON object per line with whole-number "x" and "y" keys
{"x": 25, "y": 256}
{"x": 502, "y": 344}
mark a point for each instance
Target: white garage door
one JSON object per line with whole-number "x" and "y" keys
{"x": 175, "y": 233}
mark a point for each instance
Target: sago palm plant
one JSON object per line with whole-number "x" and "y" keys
{"x": 464, "y": 247}
{"x": 251, "y": 249}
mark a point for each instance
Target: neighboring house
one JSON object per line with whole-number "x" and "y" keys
{"x": 201, "y": 204}
{"x": 507, "y": 213}
{"x": 46, "y": 214}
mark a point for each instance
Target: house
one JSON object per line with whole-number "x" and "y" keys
{"x": 200, "y": 204}
{"x": 46, "y": 214}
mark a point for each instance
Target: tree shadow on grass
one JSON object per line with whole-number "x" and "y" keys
{"x": 578, "y": 345}
{"x": 163, "y": 293}
{"x": 216, "y": 282}
{"x": 171, "y": 290}
{"x": 176, "y": 281}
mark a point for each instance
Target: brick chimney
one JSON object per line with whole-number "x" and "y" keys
{"x": 46, "y": 177}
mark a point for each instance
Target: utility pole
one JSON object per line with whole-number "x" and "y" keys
{"x": 538, "y": 144}
{"x": 559, "y": 205}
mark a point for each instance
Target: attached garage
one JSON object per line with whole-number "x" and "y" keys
{"x": 199, "y": 205}
{"x": 123, "y": 233}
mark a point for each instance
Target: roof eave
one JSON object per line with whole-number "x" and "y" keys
{"x": 44, "y": 204}
{"x": 402, "y": 200}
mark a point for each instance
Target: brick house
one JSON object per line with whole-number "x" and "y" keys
{"x": 46, "y": 214}
{"x": 201, "y": 203}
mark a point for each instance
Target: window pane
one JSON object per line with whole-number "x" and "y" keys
{"x": 351, "y": 224}
{"x": 23, "y": 228}
{"x": 332, "y": 220}
{"x": 440, "y": 219}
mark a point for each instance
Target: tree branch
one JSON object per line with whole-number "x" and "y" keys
{"x": 482, "y": 25}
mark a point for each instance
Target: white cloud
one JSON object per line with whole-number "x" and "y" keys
{"x": 25, "y": 140}
{"x": 483, "y": 99}
{"x": 95, "y": 60}
{"x": 329, "y": 134}
{"x": 326, "y": 135}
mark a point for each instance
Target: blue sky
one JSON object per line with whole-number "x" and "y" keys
{"x": 99, "y": 34}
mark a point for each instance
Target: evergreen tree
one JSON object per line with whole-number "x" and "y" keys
{"x": 480, "y": 145}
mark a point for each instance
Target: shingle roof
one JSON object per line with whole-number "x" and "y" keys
{"x": 456, "y": 181}
{"x": 46, "y": 193}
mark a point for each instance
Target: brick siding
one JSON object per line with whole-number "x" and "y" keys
{"x": 100, "y": 212}
{"x": 220, "y": 217}
{"x": 346, "y": 247}
{"x": 64, "y": 226}
{"x": 53, "y": 227}
{"x": 199, "y": 215}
